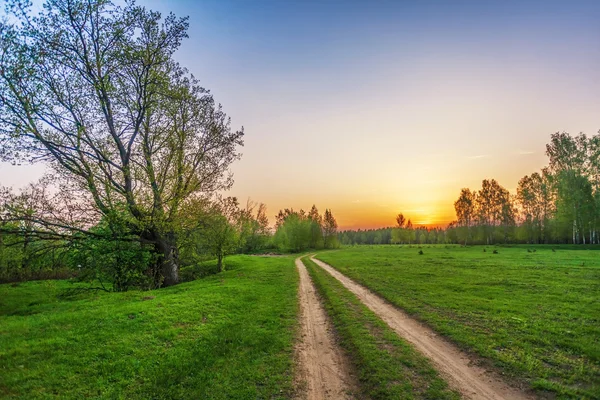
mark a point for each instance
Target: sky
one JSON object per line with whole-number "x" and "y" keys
{"x": 372, "y": 108}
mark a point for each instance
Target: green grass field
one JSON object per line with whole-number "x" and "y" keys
{"x": 386, "y": 366}
{"x": 533, "y": 315}
{"x": 227, "y": 336}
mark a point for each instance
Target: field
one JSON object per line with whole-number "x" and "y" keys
{"x": 533, "y": 315}
{"x": 387, "y": 367}
{"x": 530, "y": 313}
{"x": 225, "y": 336}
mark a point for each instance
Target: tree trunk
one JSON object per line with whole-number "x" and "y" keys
{"x": 168, "y": 258}
{"x": 25, "y": 257}
{"x": 220, "y": 262}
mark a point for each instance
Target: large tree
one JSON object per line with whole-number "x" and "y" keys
{"x": 92, "y": 89}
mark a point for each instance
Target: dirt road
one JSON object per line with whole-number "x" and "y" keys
{"x": 323, "y": 370}
{"x": 471, "y": 381}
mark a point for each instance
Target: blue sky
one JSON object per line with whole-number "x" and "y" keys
{"x": 377, "y": 107}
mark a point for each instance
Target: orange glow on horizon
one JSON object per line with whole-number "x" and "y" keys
{"x": 433, "y": 218}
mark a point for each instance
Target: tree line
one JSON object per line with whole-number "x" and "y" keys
{"x": 298, "y": 231}
{"x": 559, "y": 204}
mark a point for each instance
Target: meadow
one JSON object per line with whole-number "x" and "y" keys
{"x": 225, "y": 336}
{"x": 530, "y": 312}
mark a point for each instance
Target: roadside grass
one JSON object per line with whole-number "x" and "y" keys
{"x": 387, "y": 367}
{"x": 226, "y": 336}
{"x": 533, "y": 315}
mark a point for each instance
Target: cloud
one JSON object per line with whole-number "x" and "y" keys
{"x": 355, "y": 201}
{"x": 439, "y": 180}
{"x": 479, "y": 156}
{"x": 524, "y": 152}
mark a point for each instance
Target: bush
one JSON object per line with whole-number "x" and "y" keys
{"x": 121, "y": 262}
{"x": 197, "y": 271}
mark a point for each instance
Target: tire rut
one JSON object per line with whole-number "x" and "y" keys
{"x": 324, "y": 371}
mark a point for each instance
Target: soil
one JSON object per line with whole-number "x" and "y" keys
{"x": 324, "y": 371}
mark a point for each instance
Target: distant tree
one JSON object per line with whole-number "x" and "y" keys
{"x": 260, "y": 229}
{"x": 576, "y": 205}
{"x": 421, "y": 235}
{"x": 508, "y": 214}
{"x": 494, "y": 208}
{"x": 535, "y": 198}
{"x": 316, "y": 228}
{"x": 397, "y": 236}
{"x": 282, "y": 215}
{"x": 465, "y": 211}
{"x": 293, "y": 233}
{"x": 400, "y": 220}
{"x": 252, "y": 224}
{"x": 329, "y": 230}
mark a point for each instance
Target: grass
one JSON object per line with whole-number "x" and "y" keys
{"x": 533, "y": 315}
{"x": 387, "y": 367}
{"x": 226, "y": 336}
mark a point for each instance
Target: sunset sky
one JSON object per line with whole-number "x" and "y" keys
{"x": 372, "y": 108}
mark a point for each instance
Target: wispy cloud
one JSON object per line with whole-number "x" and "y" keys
{"x": 479, "y": 156}
{"x": 439, "y": 180}
{"x": 524, "y": 152}
{"x": 355, "y": 201}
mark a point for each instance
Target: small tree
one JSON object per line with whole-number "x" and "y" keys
{"x": 218, "y": 233}
{"x": 330, "y": 230}
{"x": 316, "y": 228}
{"x": 400, "y": 220}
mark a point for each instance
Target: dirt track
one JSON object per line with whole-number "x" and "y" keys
{"x": 456, "y": 367}
{"x": 323, "y": 370}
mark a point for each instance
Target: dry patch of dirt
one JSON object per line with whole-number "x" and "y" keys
{"x": 472, "y": 381}
{"x": 323, "y": 371}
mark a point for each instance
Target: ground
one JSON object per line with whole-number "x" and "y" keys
{"x": 226, "y": 336}
{"x": 530, "y": 313}
{"x": 386, "y": 366}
